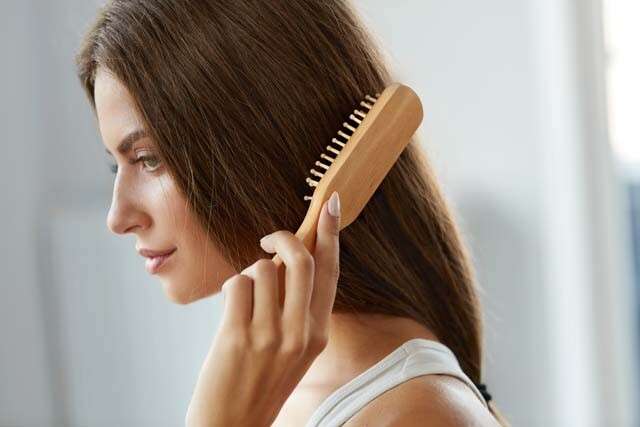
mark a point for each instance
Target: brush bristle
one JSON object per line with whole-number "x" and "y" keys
{"x": 345, "y": 134}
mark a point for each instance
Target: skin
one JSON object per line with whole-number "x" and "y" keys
{"x": 146, "y": 203}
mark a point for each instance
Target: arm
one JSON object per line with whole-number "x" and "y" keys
{"x": 425, "y": 401}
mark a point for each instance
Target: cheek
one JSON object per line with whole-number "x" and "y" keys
{"x": 206, "y": 259}
{"x": 200, "y": 269}
{"x": 176, "y": 217}
{"x": 169, "y": 207}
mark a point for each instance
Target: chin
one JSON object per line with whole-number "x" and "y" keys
{"x": 183, "y": 295}
{"x": 175, "y": 295}
{"x": 179, "y": 299}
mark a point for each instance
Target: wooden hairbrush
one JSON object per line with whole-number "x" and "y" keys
{"x": 370, "y": 143}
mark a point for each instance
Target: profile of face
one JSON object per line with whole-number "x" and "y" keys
{"x": 147, "y": 203}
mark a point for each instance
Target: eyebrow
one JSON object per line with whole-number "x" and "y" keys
{"x": 127, "y": 141}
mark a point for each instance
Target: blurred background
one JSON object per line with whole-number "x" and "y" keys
{"x": 531, "y": 121}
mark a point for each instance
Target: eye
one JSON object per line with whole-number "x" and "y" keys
{"x": 152, "y": 163}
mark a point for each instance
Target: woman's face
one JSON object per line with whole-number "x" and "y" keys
{"x": 147, "y": 203}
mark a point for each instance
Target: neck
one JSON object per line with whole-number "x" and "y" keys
{"x": 357, "y": 341}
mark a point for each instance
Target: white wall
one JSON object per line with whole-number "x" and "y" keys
{"x": 126, "y": 356}
{"x": 473, "y": 66}
{"x": 514, "y": 126}
{"x": 25, "y": 394}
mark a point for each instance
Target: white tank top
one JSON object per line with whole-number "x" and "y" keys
{"x": 415, "y": 357}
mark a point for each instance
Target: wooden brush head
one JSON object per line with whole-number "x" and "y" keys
{"x": 373, "y": 143}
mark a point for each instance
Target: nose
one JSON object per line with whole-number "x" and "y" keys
{"x": 126, "y": 213}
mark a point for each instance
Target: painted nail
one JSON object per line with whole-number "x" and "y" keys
{"x": 334, "y": 204}
{"x": 266, "y": 244}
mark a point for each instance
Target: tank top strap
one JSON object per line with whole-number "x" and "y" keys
{"x": 415, "y": 357}
{"x": 432, "y": 357}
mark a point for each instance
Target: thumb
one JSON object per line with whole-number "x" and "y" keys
{"x": 327, "y": 259}
{"x": 329, "y": 222}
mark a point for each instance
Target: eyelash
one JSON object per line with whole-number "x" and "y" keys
{"x": 114, "y": 167}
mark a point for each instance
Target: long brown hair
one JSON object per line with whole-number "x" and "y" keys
{"x": 241, "y": 97}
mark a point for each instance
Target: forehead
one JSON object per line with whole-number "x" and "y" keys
{"x": 115, "y": 108}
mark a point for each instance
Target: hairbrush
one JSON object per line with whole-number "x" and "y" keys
{"x": 358, "y": 159}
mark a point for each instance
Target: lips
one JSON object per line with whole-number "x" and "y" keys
{"x": 155, "y": 263}
{"x": 148, "y": 253}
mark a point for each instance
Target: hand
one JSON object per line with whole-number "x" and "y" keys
{"x": 264, "y": 347}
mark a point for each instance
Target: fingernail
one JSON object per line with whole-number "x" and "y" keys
{"x": 266, "y": 244}
{"x": 266, "y": 237}
{"x": 334, "y": 204}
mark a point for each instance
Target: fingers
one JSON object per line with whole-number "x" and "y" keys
{"x": 310, "y": 280}
{"x": 266, "y": 307}
{"x": 238, "y": 300}
{"x": 327, "y": 257}
{"x": 299, "y": 272}
{"x": 316, "y": 294}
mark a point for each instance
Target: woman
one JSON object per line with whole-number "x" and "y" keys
{"x": 223, "y": 107}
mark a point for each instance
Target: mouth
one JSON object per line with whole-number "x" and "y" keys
{"x": 155, "y": 263}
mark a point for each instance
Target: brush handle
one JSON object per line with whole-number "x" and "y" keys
{"x": 368, "y": 155}
{"x": 363, "y": 163}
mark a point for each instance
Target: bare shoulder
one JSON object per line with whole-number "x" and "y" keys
{"x": 427, "y": 400}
